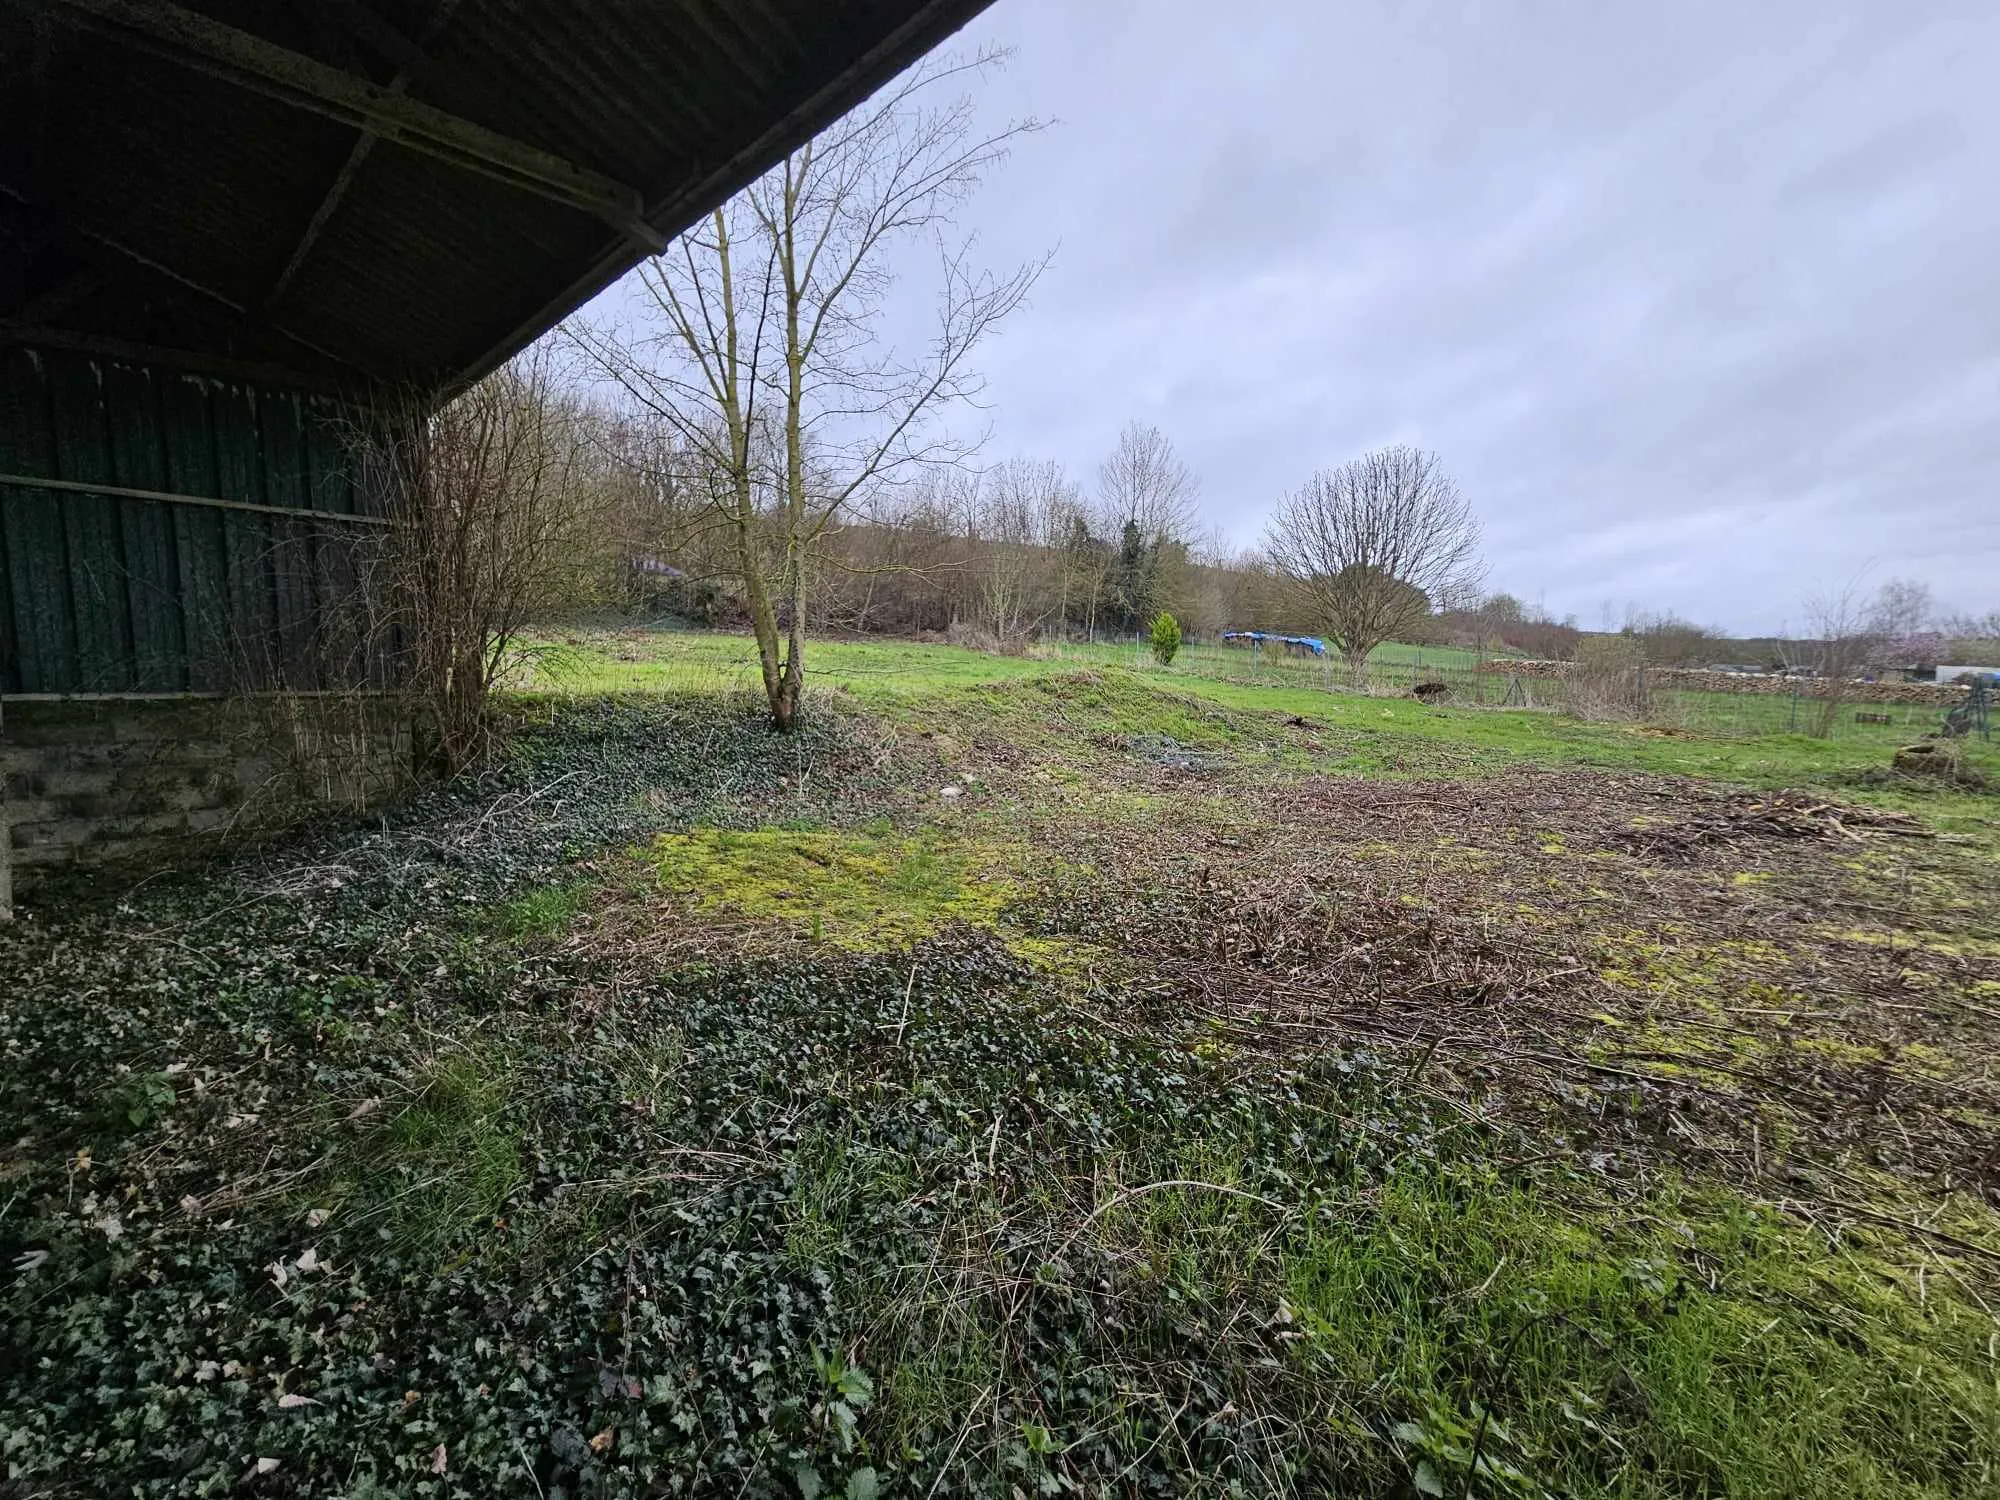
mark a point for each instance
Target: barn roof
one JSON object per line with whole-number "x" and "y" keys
{"x": 344, "y": 191}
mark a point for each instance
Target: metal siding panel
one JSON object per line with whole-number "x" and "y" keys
{"x": 251, "y": 656}
{"x": 291, "y": 556}
{"x": 152, "y": 572}
{"x": 292, "y": 588}
{"x": 284, "y": 449}
{"x": 184, "y": 400}
{"x": 44, "y": 634}
{"x": 43, "y": 654}
{"x": 329, "y": 470}
{"x": 10, "y": 654}
{"x": 239, "y": 458}
{"x": 90, "y": 528}
{"x": 250, "y": 648}
{"x": 198, "y": 535}
{"x": 204, "y": 587}
{"x": 108, "y": 594}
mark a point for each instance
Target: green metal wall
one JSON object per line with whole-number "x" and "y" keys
{"x": 252, "y": 574}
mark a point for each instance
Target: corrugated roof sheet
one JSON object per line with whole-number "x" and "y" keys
{"x": 188, "y": 195}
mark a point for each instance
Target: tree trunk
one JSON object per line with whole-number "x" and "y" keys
{"x": 785, "y": 704}
{"x": 791, "y": 690}
{"x": 1357, "y": 670}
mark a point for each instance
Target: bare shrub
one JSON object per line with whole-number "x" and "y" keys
{"x": 972, "y": 637}
{"x": 1608, "y": 680}
{"x": 1842, "y": 643}
{"x": 490, "y": 508}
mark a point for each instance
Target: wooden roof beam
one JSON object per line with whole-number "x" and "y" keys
{"x": 250, "y": 62}
{"x": 73, "y": 230}
{"x": 363, "y": 144}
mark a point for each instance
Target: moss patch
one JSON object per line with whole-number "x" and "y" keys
{"x": 861, "y": 891}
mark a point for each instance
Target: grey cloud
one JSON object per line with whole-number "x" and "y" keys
{"x": 1697, "y": 299}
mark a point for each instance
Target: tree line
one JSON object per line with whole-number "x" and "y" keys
{"x": 746, "y": 444}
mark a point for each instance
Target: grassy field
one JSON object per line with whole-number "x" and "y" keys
{"x": 895, "y": 675}
{"x": 1032, "y": 1078}
{"x": 668, "y": 661}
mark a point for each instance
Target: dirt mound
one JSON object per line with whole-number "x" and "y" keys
{"x": 1942, "y": 760}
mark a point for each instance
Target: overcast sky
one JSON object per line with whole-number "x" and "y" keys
{"x": 1699, "y": 299}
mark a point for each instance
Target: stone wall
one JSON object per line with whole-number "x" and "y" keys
{"x": 134, "y": 782}
{"x": 1943, "y": 694}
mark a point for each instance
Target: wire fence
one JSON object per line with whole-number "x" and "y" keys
{"x": 1398, "y": 671}
{"x": 720, "y": 664}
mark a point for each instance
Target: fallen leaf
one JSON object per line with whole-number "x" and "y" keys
{"x": 437, "y": 1459}
{"x": 602, "y": 1442}
{"x": 317, "y": 1217}
{"x": 266, "y": 1465}
{"x": 111, "y": 1226}
{"x": 278, "y": 1273}
{"x": 82, "y": 1161}
{"x": 29, "y": 1260}
{"x": 292, "y": 1401}
{"x": 310, "y": 1260}
{"x": 364, "y": 1108}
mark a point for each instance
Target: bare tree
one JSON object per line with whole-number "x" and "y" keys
{"x": 492, "y": 500}
{"x": 1146, "y": 497}
{"x": 1667, "y": 640}
{"x": 764, "y": 343}
{"x": 1144, "y": 482}
{"x": 1374, "y": 546}
{"x": 1025, "y": 506}
{"x": 1901, "y": 607}
{"x": 1971, "y": 627}
{"x": 1842, "y": 641}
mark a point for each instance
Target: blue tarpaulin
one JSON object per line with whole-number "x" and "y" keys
{"x": 1312, "y": 643}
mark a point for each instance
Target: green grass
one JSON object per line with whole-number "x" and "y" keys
{"x": 542, "y": 913}
{"x": 892, "y": 1203}
{"x": 1641, "y": 1354}
{"x": 1383, "y": 735}
{"x": 443, "y": 1164}
{"x": 701, "y": 662}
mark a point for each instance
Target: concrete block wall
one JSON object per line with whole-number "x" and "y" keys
{"x": 135, "y": 782}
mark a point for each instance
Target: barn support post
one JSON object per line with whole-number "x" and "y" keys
{"x": 6, "y": 838}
